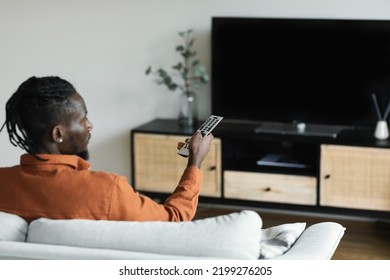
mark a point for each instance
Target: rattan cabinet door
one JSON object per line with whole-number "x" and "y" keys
{"x": 158, "y": 168}
{"x": 355, "y": 177}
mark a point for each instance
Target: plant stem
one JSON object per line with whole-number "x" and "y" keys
{"x": 187, "y": 64}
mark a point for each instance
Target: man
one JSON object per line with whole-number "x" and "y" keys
{"x": 48, "y": 119}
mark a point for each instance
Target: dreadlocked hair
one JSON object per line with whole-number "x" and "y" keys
{"x": 38, "y": 105}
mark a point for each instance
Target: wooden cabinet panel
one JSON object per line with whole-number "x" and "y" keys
{"x": 280, "y": 188}
{"x": 355, "y": 177}
{"x": 158, "y": 168}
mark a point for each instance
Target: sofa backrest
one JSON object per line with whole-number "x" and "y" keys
{"x": 233, "y": 236}
{"x": 12, "y": 227}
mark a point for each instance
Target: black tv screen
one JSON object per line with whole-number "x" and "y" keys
{"x": 320, "y": 71}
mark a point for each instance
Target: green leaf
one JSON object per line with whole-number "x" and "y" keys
{"x": 162, "y": 72}
{"x": 178, "y": 66}
{"x": 205, "y": 79}
{"x": 172, "y": 87}
{"x": 195, "y": 62}
{"x": 148, "y": 70}
{"x": 167, "y": 80}
{"x": 186, "y": 54}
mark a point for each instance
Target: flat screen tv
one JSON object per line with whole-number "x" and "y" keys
{"x": 318, "y": 71}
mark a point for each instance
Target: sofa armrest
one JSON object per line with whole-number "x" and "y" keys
{"x": 317, "y": 242}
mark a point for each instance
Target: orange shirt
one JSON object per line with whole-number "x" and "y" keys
{"x": 64, "y": 187}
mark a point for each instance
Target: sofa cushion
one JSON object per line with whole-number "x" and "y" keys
{"x": 233, "y": 236}
{"x": 277, "y": 240}
{"x": 12, "y": 227}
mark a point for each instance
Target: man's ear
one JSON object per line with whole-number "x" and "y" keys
{"x": 57, "y": 134}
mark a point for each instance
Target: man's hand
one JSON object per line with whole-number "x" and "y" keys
{"x": 198, "y": 147}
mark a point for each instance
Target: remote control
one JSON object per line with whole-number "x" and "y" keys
{"x": 204, "y": 129}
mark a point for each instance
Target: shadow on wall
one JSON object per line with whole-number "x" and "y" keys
{"x": 112, "y": 155}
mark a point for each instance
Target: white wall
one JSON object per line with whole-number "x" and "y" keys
{"x": 104, "y": 47}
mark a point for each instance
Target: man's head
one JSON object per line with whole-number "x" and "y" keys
{"x": 47, "y": 116}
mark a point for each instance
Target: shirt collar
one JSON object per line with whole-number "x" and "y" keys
{"x": 52, "y": 159}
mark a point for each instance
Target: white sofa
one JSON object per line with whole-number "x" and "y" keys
{"x": 233, "y": 236}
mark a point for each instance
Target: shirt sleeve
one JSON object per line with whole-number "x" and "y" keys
{"x": 128, "y": 205}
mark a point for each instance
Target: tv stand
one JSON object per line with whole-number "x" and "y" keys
{"x": 319, "y": 130}
{"x": 276, "y": 169}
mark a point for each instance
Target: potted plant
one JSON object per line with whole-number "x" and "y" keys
{"x": 187, "y": 75}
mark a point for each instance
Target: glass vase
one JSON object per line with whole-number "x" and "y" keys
{"x": 188, "y": 111}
